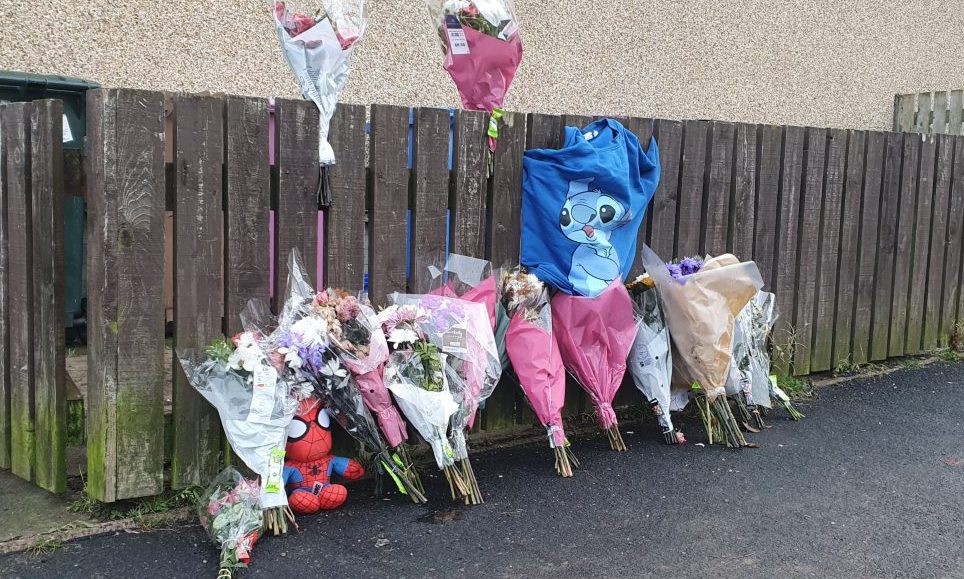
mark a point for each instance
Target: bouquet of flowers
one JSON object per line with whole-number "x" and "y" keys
{"x": 532, "y": 347}
{"x": 230, "y": 512}
{"x": 462, "y": 331}
{"x": 416, "y": 374}
{"x": 483, "y": 49}
{"x": 595, "y": 335}
{"x": 317, "y": 336}
{"x": 651, "y": 359}
{"x": 748, "y": 384}
{"x": 255, "y": 405}
{"x": 318, "y": 50}
{"x": 701, "y": 309}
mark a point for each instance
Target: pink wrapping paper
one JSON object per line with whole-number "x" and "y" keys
{"x": 535, "y": 358}
{"x": 483, "y": 76}
{"x": 483, "y": 293}
{"x": 595, "y": 336}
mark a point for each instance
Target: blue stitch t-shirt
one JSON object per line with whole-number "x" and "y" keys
{"x": 582, "y": 206}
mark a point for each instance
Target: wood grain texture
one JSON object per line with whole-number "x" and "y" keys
{"x": 47, "y": 212}
{"x": 125, "y": 217}
{"x": 669, "y": 137}
{"x": 345, "y": 231}
{"x": 506, "y": 190}
{"x": 869, "y": 220}
{"x": 784, "y": 332}
{"x": 470, "y": 156}
{"x": 920, "y": 246}
{"x": 940, "y": 112}
{"x": 19, "y": 259}
{"x": 849, "y": 247}
{"x": 4, "y": 294}
{"x": 922, "y": 121}
{"x": 643, "y": 128}
{"x": 905, "y": 111}
{"x": 743, "y": 201}
{"x": 887, "y": 246}
{"x": 692, "y": 181}
{"x": 247, "y": 186}
{"x": 950, "y": 313}
{"x": 955, "y": 106}
{"x": 429, "y": 213}
{"x": 715, "y": 228}
{"x": 936, "y": 256}
{"x": 198, "y": 280}
{"x": 296, "y": 158}
{"x": 388, "y": 212}
{"x": 808, "y": 249}
{"x": 904, "y": 244}
{"x": 829, "y": 251}
{"x": 767, "y": 215}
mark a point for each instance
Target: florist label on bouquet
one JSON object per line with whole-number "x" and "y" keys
{"x": 262, "y": 395}
{"x": 454, "y": 341}
{"x": 457, "y": 42}
{"x": 643, "y": 357}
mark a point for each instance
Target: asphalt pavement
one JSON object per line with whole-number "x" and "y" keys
{"x": 870, "y": 484}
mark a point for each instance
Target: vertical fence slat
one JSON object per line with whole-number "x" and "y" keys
{"x": 940, "y": 112}
{"x": 906, "y": 214}
{"x": 904, "y": 113}
{"x": 690, "y": 224}
{"x": 47, "y": 212}
{"x": 955, "y": 106}
{"x": 644, "y": 129}
{"x": 4, "y": 293}
{"x": 809, "y": 247}
{"x": 389, "y": 207}
{"x": 743, "y": 206}
{"x": 345, "y": 219}
{"x": 669, "y": 137}
{"x": 469, "y": 156}
{"x": 849, "y": 249}
{"x": 938, "y": 266}
{"x": 825, "y": 298}
{"x": 887, "y": 246}
{"x": 248, "y": 202}
{"x": 125, "y": 449}
{"x": 19, "y": 256}
{"x": 870, "y": 214}
{"x": 767, "y": 215}
{"x": 430, "y": 210}
{"x": 198, "y": 281}
{"x": 505, "y": 211}
{"x": 922, "y": 122}
{"x": 784, "y": 334}
{"x": 296, "y": 218}
{"x": 718, "y": 190}
{"x": 953, "y": 239}
{"x": 920, "y": 245}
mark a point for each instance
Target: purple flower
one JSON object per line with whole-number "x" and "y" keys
{"x": 674, "y": 270}
{"x": 690, "y": 265}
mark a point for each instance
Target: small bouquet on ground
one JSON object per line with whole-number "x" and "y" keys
{"x": 462, "y": 331}
{"x": 532, "y": 347}
{"x": 255, "y": 405}
{"x": 700, "y": 311}
{"x": 651, "y": 359}
{"x": 595, "y": 335}
{"x": 318, "y": 50}
{"x": 318, "y": 336}
{"x": 230, "y": 512}
{"x": 416, "y": 375}
{"x": 748, "y": 382}
{"x": 483, "y": 49}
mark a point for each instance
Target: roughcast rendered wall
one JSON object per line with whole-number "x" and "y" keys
{"x": 816, "y": 62}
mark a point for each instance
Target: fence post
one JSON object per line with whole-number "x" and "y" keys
{"x": 125, "y": 265}
{"x": 5, "y": 417}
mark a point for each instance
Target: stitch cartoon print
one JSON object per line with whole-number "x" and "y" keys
{"x": 588, "y": 217}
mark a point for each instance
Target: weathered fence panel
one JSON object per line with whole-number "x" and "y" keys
{"x": 869, "y": 218}
{"x": 808, "y": 247}
{"x": 848, "y": 249}
{"x": 886, "y": 247}
{"x": 785, "y": 340}
{"x": 389, "y": 209}
{"x": 345, "y": 219}
{"x": 669, "y": 135}
{"x": 125, "y": 272}
{"x": 5, "y": 418}
{"x": 903, "y": 244}
{"x": 828, "y": 252}
{"x": 937, "y": 249}
{"x": 952, "y": 262}
{"x": 929, "y": 112}
{"x": 429, "y": 215}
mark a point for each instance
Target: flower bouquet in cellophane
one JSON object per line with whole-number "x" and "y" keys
{"x": 483, "y": 49}
{"x": 462, "y": 331}
{"x": 230, "y": 512}
{"x": 701, "y": 309}
{"x": 534, "y": 352}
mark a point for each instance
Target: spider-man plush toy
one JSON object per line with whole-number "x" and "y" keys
{"x": 309, "y": 463}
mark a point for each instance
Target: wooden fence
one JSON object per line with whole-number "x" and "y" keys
{"x": 938, "y": 112}
{"x": 858, "y": 232}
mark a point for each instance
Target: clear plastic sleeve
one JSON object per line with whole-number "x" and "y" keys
{"x": 750, "y": 367}
{"x": 651, "y": 359}
{"x": 231, "y": 514}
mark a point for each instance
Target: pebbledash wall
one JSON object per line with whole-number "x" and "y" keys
{"x": 821, "y": 62}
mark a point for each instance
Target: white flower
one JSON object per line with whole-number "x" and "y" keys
{"x": 247, "y": 356}
{"x": 402, "y": 336}
{"x": 333, "y": 369}
{"x": 312, "y": 330}
{"x": 292, "y": 359}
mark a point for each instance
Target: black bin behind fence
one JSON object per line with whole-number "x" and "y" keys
{"x": 858, "y": 232}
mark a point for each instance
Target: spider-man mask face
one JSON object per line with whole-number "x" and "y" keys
{"x": 309, "y": 435}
